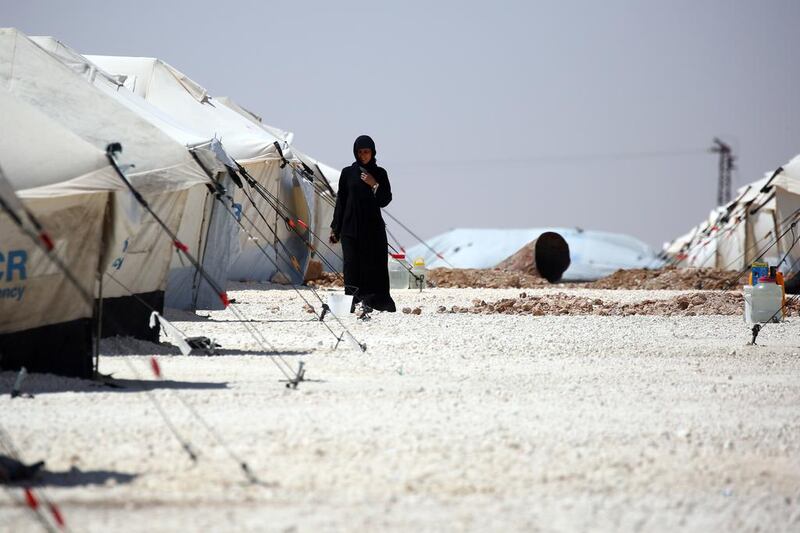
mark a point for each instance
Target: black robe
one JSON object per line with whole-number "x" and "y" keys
{"x": 358, "y": 224}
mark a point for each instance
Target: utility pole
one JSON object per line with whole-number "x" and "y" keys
{"x": 726, "y": 166}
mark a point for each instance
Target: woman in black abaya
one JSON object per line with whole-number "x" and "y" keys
{"x": 357, "y": 222}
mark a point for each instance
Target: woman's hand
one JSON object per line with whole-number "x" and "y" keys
{"x": 333, "y": 239}
{"x": 368, "y": 179}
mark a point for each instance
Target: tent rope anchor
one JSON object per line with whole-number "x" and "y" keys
{"x": 361, "y": 345}
{"x": 756, "y": 330}
{"x": 16, "y": 390}
{"x": 298, "y": 377}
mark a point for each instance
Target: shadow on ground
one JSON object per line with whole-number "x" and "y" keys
{"x": 76, "y": 477}
{"x": 115, "y": 346}
{"x": 50, "y": 384}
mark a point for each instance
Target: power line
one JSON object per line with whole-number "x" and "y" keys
{"x": 557, "y": 158}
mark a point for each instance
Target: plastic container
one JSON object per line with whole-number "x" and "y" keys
{"x": 398, "y": 271}
{"x": 419, "y": 275}
{"x": 340, "y": 304}
{"x": 758, "y": 271}
{"x": 763, "y": 302}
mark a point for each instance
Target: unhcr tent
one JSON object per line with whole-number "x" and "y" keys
{"x": 262, "y": 155}
{"x": 326, "y": 181}
{"x": 137, "y": 253}
{"x": 206, "y": 227}
{"x": 286, "y": 137}
{"x": 64, "y": 182}
{"x": 593, "y": 254}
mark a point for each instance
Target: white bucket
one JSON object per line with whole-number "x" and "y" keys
{"x": 340, "y": 304}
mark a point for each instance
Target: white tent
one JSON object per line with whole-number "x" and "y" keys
{"x": 756, "y": 225}
{"x": 137, "y": 252}
{"x": 327, "y": 180}
{"x": 326, "y": 183}
{"x": 286, "y": 137}
{"x": 258, "y": 151}
{"x": 206, "y": 227}
{"x": 64, "y": 182}
{"x": 593, "y": 254}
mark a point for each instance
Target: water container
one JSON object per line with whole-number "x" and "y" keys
{"x": 419, "y": 277}
{"x": 398, "y": 271}
{"x": 763, "y": 302}
{"x": 340, "y": 304}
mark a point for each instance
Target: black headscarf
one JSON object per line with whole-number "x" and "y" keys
{"x": 365, "y": 141}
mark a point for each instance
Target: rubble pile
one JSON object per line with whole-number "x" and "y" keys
{"x": 670, "y": 278}
{"x": 721, "y": 303}
{"x": 325, "y": 279}
{"x": 484, "y": 279}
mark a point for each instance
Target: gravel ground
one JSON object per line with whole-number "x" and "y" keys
{"x": 449, "y": 422}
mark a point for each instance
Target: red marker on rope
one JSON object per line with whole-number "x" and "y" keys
{"x": 180, "y": 246}
{"x": 223, "y": 296}
{"x": 30, "y": 499}
{"x": 302, "y": 223}
{"x": 155, "y": 367}
{"x": 47, "y": 241}
{"x": 57, "y": 516}
{"x": 290, "y": 222}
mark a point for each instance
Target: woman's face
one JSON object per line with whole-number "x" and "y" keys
{"x": 364, "y": 155}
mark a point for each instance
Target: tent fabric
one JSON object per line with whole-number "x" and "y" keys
{"x": 321, "y": 214}
{"x": 74, "y": 218}
{"x": 739, "y": 233}
{"x": 214, "y": 240}
{"x": 322, "y": 211}
{"x": 593, "y": 254}
{"x": 325, "y": 202}
{"x": 286, "y": 136}
{"x": 157, "y": 166}
{"x": 33, "y": 292}
{"x": 182, "y": 290}
{"x": 250, "y": 144}
{"x": 42, "y": 158}
{"x": 37, "y": 77}
{"x": 45, "y": 323}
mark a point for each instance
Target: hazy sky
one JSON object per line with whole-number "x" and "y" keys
{"x": 491, "y": 114}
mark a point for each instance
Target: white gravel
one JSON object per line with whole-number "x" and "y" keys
{"x": 449, "y": 422}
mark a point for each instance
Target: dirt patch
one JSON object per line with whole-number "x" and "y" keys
{"x": 458, "y": 278}
{"x": 720, "y": 303}
{"x": 326, "y": 279}
{"x": 484, "y": 279}
{"x": 314, "y": 270}
{"x": 670, "y": 278}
